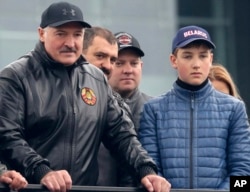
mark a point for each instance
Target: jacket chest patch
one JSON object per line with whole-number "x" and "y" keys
{"x": 88, "y": 96}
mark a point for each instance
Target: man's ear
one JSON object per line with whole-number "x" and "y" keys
{"x": 173, "y": 61}
{"x": 41, "y": 33}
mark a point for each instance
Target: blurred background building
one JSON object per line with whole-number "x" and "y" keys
{"x": 153, "y": 23}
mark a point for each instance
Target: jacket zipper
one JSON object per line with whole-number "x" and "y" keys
{"x": 71, "y": 123}
{"x": 191, "y": 141}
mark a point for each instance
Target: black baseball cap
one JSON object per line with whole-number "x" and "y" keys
{"x": 126, "y": 40}
{"x": 191, "y": 33}
{"x": 60, "y": 13}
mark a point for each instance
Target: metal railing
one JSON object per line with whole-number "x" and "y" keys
{"x": 75, "y": 188}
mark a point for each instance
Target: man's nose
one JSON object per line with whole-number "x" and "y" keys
{"x": 127, "y": 68}
{"x": 107, "y": 64}
{"x": 70, "y": 41}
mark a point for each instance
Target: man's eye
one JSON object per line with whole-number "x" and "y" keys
{"x": 59, "y": 34}
{"x": 99, "y": 56}
{"x": 117, "y": 63}
{"x": 113, "y": 61}
{"x": 78, "y": 35}
{"x": 134, "y": 63}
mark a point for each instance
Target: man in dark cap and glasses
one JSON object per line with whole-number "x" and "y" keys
{"x": 56, "y": 109}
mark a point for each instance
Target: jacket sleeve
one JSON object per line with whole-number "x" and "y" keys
{"x": 148, "y": 134}
{"x": 17, "y": 153}
{"x": 126, "y": 176}
{"x": 121, "y": 139}
{"x": 238, "y": 145}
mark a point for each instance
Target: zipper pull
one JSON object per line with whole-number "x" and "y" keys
{"x": 192, "y": 101}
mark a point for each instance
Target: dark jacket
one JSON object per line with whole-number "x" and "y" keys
{"x": 3, "y": 168}
{"x": 198, "y": 138}
{"x": 113, "y": 173}
{"x": 54, "y": 118}
{"x": 108, "y": 166}
{"x": 135, "y": 103}
{"x": 126, "y": 175}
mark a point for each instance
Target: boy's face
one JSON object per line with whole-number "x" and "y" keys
{"x": 192, "y": 63}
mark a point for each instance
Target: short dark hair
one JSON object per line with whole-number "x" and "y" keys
{"x": 91, "y": 33}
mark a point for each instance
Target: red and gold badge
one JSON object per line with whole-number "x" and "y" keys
{"x": 88, "y": 96}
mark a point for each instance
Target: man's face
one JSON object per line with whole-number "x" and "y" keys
{"x": 126, "y": 73}
{"x": 102, "y": 54}
{"x": 192, "y": 64}
{"x": 64, "y": 43}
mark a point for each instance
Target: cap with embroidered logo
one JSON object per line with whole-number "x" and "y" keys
{"x": 126, "y": 40}
{"x": 60, "y": 13}
{"x": 189, "y": 34}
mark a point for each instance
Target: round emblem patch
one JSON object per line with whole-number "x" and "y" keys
{"x": 88, "y": 96}
{"x": 124, "y": 39}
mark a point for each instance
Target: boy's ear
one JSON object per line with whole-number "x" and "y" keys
{"x": 212, "y": 57}
{"x": 173, "y": 61}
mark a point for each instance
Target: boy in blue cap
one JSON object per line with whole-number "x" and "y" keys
{"x": 198, "y": 136}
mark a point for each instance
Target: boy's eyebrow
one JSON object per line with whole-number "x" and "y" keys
{"x": 186, "y": 51}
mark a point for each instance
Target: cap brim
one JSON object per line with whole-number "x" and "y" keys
{"x": 84, "y": 24}
{"x": 136, "y": 49}
{"x": 183, "y": 44}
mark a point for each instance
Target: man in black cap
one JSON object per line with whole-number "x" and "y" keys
{"x": 127, "y": 73}
{"x": 125, "y": 80}
{"x": 56, "y": 109}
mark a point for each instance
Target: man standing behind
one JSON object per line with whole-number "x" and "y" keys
{"x": 126, "y": 74}
{"x": 125, "y": 79}
{"x": 100, "y": 48}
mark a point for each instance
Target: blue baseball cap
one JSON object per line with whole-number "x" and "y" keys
{"x": 189, "y": 34}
